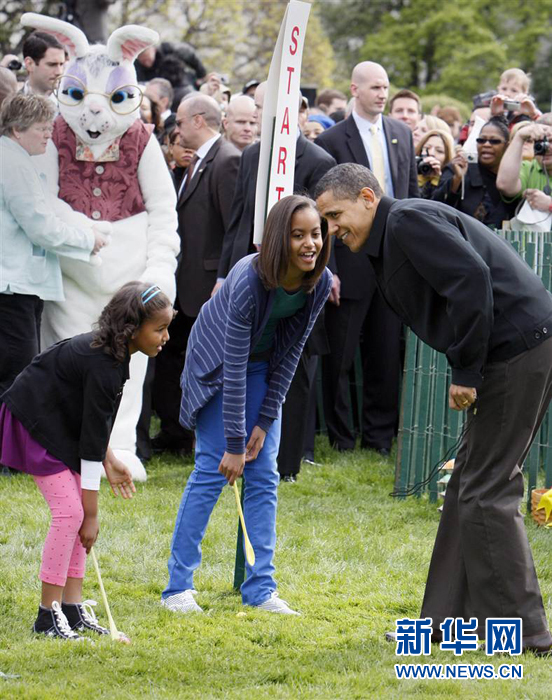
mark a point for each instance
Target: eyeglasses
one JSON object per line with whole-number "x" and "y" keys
{"x": 71, "y": 91}
{"x": 178, "y": 122}
{"x": 493, "y": 142}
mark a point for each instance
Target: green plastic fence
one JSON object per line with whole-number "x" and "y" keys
{"x": 428, "y": 429}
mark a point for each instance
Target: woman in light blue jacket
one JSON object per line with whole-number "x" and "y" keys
{"x": 32, "y": 235}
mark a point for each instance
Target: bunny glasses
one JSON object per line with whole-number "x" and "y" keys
{"x": 71, "y": 91}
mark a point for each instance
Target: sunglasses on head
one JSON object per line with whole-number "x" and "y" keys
{"x": 493, "y": 142}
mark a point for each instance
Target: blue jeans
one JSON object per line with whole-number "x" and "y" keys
{"x": 206, "y": 483}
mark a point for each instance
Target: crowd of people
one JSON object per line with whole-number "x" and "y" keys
{"x": 268, "y": 300}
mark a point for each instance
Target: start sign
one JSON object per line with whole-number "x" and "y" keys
{"x": 280, "y": 113}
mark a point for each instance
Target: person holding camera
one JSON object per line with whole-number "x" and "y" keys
{"x": 529, "y": 178}
{"x": 434, "y": 150}
{"x": 512, "y": 100}
{"x": 471, "y": 187}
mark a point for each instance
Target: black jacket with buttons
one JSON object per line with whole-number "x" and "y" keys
{"x": 461, "y": 287}
{"x": 67, "y": 399}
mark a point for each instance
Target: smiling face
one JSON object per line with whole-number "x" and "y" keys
{"x": 490, "y": 152}
{"x": 99, "y": 99}
{"x": 152, "y": 334}
{"x": 312, "y": 129}
{"x": 305, "y": 244}
{"x": 349, "y": 220}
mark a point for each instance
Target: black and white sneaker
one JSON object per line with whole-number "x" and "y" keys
{"x": 53, "y": 623}
{"x": 81, "y": 617}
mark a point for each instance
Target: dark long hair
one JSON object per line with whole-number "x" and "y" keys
{"x": 124, "y": 314}
{"x": 275, "y": 253}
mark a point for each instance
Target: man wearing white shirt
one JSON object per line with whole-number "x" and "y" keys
{"x": 385, "y": 146}
{"x": 44, "y": 59}
{"x": 204, "y": 204}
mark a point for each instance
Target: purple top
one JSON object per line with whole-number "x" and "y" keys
{"x": 20, "y": 451}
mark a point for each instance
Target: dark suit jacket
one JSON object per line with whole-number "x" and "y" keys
{"x": 311, "y": 162}
{"x": 344, "y": 142}
{"x": 203, "y": 218}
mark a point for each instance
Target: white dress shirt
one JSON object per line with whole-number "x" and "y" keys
{"x": 364, "y": 126}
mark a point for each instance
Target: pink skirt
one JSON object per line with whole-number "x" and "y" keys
{"x": 20, "y": 451}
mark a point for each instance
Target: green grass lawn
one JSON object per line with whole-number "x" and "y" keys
{"x": 350, "y": 558}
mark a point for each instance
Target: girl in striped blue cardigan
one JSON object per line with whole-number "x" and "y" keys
{"x": 242, "y": 354}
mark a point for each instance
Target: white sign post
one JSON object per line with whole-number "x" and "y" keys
{"x": 280, "y": 112}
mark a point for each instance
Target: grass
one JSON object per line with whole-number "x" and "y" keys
{"x": 349, "y": 557}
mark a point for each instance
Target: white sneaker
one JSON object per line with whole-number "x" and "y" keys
{"x": 182, "y": 602}
{"x": 276, "y": 605}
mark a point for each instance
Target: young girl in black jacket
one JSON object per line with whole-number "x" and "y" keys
{"x": 55, "y": 423}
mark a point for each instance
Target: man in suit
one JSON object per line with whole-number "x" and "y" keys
{"x": 311, "y": 163}
{"x": 385, "y": 146}
{"x": 203, "y": 207}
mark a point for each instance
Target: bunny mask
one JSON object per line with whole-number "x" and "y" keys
{"x": 98, "y": 94}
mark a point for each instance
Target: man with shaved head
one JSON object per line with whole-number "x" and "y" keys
{"x": 385, "y": 146}
{"x": 203, "y": 206}
{"x": 240, "y": 123}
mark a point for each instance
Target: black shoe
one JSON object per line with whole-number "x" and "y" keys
{"x": 81, "y": 617}
{"x": 382, "y": 451}
{"x": 289, "y": 478}
{"x": 4, "y": 471}
{"x": 540, "y": 646}
{"x": 53, "y": 623}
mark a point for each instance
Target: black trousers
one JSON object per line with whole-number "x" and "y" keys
{"x": 482, "y": 565}
{"x": 20, "y": 316}
{"x": 380, "y": 328}
{"x": 296, "y": 417}
{"x": 166, "y": 393}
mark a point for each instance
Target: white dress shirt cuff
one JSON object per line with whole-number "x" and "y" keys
{"x": 91, "y": 474}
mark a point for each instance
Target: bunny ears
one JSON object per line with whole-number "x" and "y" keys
{"x": 123, "y": 45}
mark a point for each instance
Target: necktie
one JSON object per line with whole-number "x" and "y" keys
{"x": 189, "y": 173}
{"x": 378, "y": 167}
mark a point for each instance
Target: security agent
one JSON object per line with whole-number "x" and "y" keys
{"x": 465, "y": 292}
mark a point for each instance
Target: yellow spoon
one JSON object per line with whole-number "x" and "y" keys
{"x": 249, "y": 553}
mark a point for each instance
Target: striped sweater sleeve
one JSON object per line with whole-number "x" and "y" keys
{"x": 237, "y": 342}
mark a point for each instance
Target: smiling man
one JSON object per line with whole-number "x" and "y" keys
{"x": 450, "y": 280}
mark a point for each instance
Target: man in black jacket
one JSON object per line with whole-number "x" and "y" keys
{"x": 385, "y": 146}
{"x": 465, "y": 292}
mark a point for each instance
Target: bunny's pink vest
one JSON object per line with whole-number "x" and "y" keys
{"x": 106, "y": 189}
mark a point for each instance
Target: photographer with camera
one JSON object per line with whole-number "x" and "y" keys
{"x": 512, "y": 100}
{"x": 471, "y": 187}
{"x": 530, "y": 178}
{"x": 434, "y": 150}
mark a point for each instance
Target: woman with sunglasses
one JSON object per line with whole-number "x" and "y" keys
{"x": 471, "y": 187}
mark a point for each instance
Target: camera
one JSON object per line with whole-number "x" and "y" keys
{"x": 483, "y": 99}
{"x": 512, "y": 105}
{"x": 423, "y": 167}
{"x": 14, "y": 65}
{"x": 540, "y": 148}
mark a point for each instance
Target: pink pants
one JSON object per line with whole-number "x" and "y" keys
{"x": 63, "y": 554}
